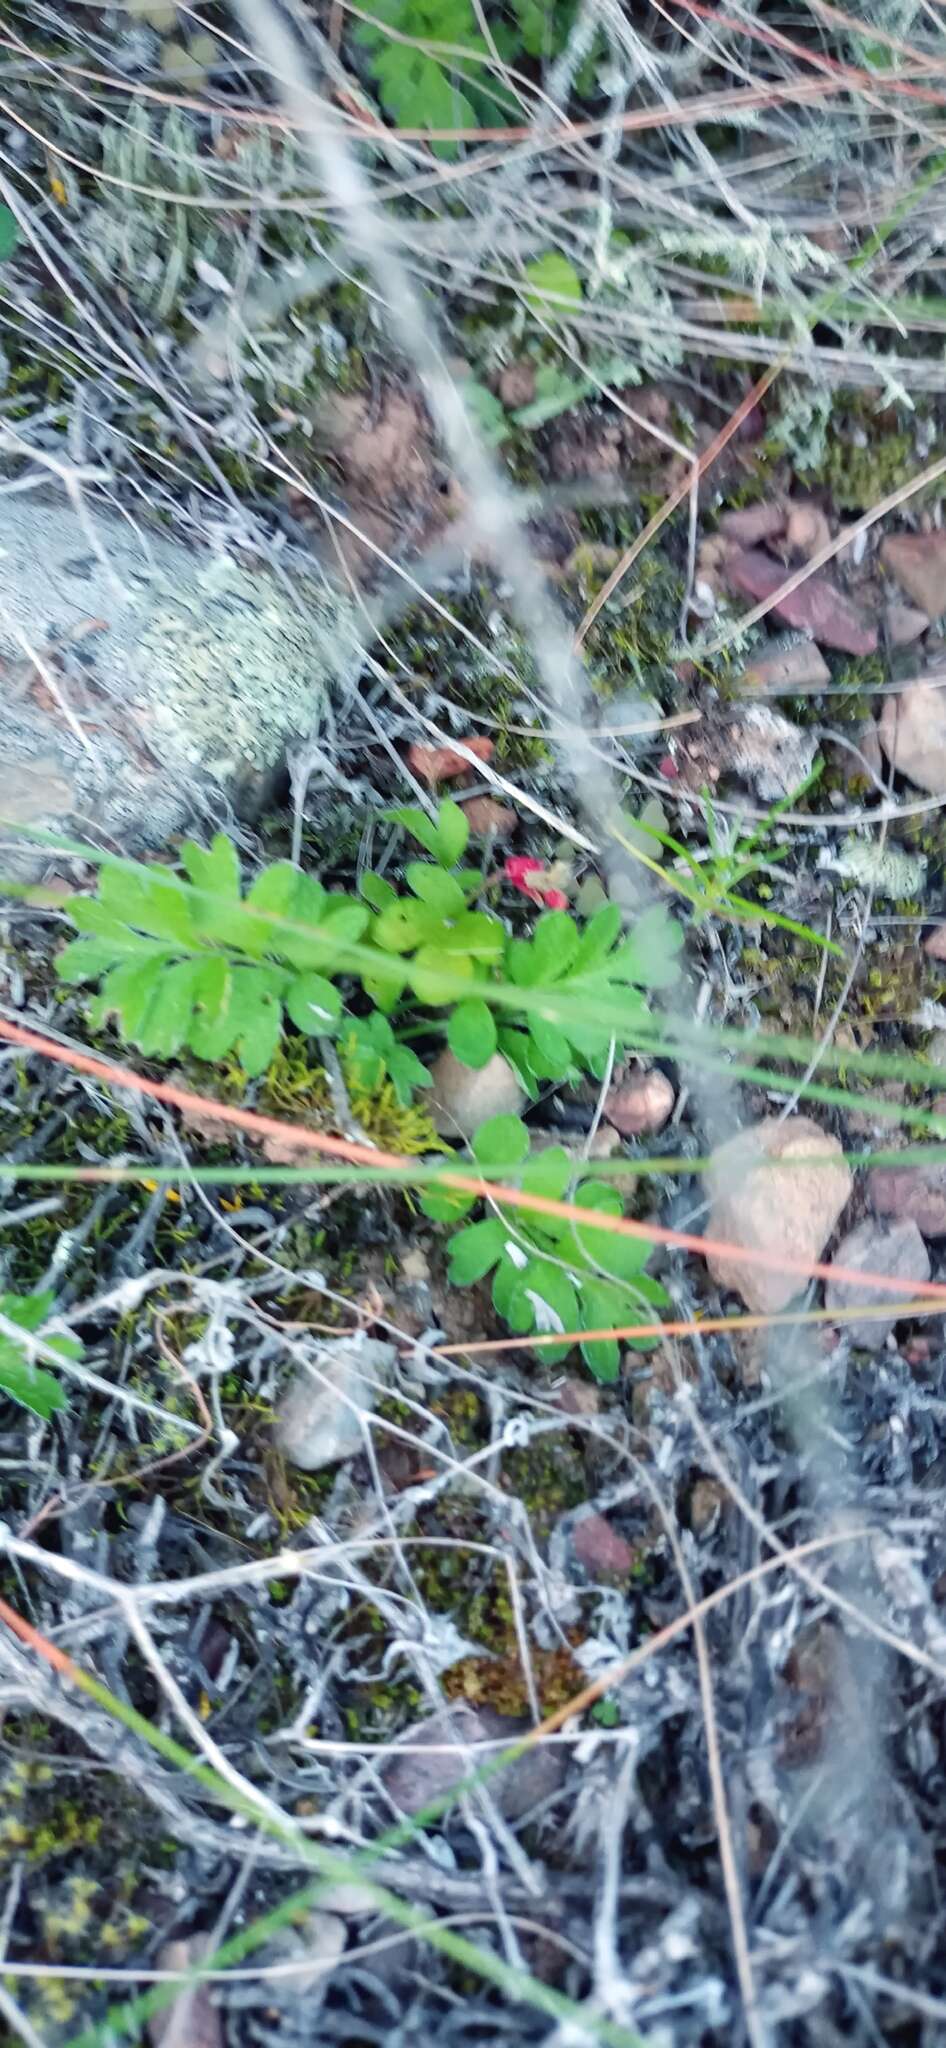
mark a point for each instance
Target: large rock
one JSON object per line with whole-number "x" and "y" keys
{"x": 817, "y": 606}
{"x": 779, "y": 1188}
{"x": 146, "y": 682}
{"x": 898, "y": 1253}
{"x": 913, "y": 734}
{"x": 918, "y": 561}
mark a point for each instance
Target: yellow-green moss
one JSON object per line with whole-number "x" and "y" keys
{"x": 500, "y": 1682}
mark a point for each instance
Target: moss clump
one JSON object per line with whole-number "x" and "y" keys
{"x": 394, "y": 1127}
{"x": 858, "y": 473}
{"x": 296, "y": 1086}
{"x": 501, "y": 1683}
{"x": 548, "y": 1476}
{"x": 890, "y": 984}
{"x": 37, "y": 1823}
{"x": 634, "y": 643}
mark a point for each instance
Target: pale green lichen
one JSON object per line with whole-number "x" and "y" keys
{"x": 888, "y": 870}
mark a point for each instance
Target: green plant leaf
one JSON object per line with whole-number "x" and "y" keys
{"x": 128, "y": 993}
{"x": 649, "y": 957}
{"x": 548, "y": 1173}
{"x": 84, "y": 960}
{"x": 445, "y": 1205}
{"x": 407, "y": 1073}
{"x": 277, "y": 889}
{"x": 552, "y": 280}
{"x": 418, "y": 824}
{"x": 165, "y": 1025}
{"x": 475, "y": 1250}
{"x": 505, "y": 1280}
{"x": 556, "y": 391}
{"x": 551, "y": 1052}
{"x": 601, "y": 1310}
{"x": 501, "y": 1142}
{"x": 478, "y": 935}
{"x": 435, "y": 972}
{"x": 597, "y": 939}
{"x": 384, "y": 982}
{"x": 377, "y": 890}
{"x": 406, "y": 924}
{"x": 214, "y": 1027}
{"x": 550, "y": 1294}
{"x": 435, "y": 887}
{"x": 452, "y": 833}
{"x": 89, "y": 915}
{"x": 22, "y": 1382}
{"x": 9, "y": 233}
{"x": 487, "y": 410}
{"x": 215, "y": 868}
{"x": 417, "y": 93}
{"x": 548, "y": 954}
{"x": 149, "y": 900}
{"x": 471, "y": 1033}
{"x": 261, "y": 1029}
{"x": 29, "y": 1310}
{"x": 313, "y": 1004}
{"x": 28, "y": 1384}
{"x": 555, "y": 943}
{"x": 516, "y": 1047}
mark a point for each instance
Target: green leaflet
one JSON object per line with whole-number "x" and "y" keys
{"x": 29, "y": 1385}
{"x": 554, "y": 285}
{"x": 471, "y": 1032}
{"x": 551, "y": 1275}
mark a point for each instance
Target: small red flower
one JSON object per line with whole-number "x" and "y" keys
{"x": 533, "y": 880}
{"x": 517, "y": 870}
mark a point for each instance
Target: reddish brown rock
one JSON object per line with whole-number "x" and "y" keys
{"x": 600, "y": 1549}
{"x": 748, "y": 524}
{"x": 447, "y": 1745}
{"x": 443, "y": 764}
{"x": 918, "y": 561}
{"x": 807, "y": 531}
{"x": 641, "y": 1103}
{"x": 913, "y": 734}
{"x": 776, "y": 1188}
{"x": 817, "y": 605}
{"x": 915, "y": 1194}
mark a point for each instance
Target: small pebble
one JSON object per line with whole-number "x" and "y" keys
{"x": 318, "y": 1419}
{"x": 640, "y": 1104}
{"x": 464, "y": 1097}
{"x": 600, "y": 1549}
